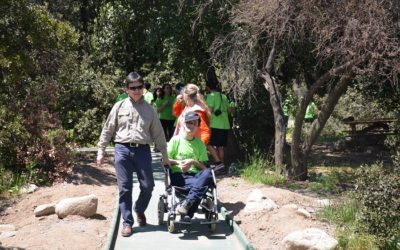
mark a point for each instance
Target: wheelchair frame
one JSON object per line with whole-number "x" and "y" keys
{"x": 169, "y": 201}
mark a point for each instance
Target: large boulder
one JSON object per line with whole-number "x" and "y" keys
{"x": 85, "y": 206}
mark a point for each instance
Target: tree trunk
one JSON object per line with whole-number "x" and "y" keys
{"x": 298, "y": 170}
{"x": 276, "y": 103}
{"x": 324, "y": 114}
{"x": 298, "y": 156}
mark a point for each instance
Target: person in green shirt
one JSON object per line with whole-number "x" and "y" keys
{"x": 220, "y": 125}
{"x": 158, "y": 92}
{"x": 121, "y": 96}
{"x": 148, "y": 96}
{"x": 188, "y": 158}
{"x": 164, "y": 105}
{"x": 310, "y": 112}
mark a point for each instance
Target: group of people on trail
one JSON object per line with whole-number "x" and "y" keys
{"x": 136, "y": 121}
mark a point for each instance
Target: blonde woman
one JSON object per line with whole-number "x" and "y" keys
{"x": 193, "y": 102}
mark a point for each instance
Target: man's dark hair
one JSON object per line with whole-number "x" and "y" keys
{"x": 133, "y": 77}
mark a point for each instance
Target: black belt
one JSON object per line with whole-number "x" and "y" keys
{"x": 133, "y": 145}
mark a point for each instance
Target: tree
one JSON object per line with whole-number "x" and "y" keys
{"x": 327, "y": 44}
{"x": 34, "y": 46}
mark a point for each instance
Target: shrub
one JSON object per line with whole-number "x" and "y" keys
{"x": 32, "y": 144}
{"x": 258, "y": 169}
{"x": 378, "y": 190}
{"x": 254, "y": 122}
{"x": 344, "y": 217}
{"x": 325, "y": 183}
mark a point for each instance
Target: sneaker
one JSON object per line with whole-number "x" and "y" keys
{"x": 186, "y": 219}
{"x": 126, "y": 230}
{"x": 141, "y": 219}
{"x": 184, "y": 207}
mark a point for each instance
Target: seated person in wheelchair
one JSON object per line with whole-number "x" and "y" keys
{"x": 188, "y": 157}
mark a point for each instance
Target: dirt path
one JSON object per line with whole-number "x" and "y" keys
{"x": 265, "y": 230}
{"x": 73, "y": 232}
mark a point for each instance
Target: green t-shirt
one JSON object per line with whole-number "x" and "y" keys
{"x": 148, "y": 97}
{"x": 121, "y": 97}
{"x": 166, "y": 113}
{"x": 216, "y": 100}
{"x": 311, "y": 110}
{"x": 183, "y": 149}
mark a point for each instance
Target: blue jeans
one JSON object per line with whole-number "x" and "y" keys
{"x": 127, "y": 160}
{"x": 196, "y": 183}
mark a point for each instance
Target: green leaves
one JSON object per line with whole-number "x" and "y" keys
{"x": 378, "y": 189}
{"x": 34, "y": 46}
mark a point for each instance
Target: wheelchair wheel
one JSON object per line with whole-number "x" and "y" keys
{"x": 160, "y": 211}
{"x": 171, "y": 224}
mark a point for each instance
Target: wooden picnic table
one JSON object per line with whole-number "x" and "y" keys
{"x": 369, "y": 127}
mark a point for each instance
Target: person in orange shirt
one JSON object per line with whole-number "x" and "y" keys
{"x": 194, "y": 101}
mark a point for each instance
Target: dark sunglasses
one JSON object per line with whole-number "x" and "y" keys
{"x": 136, "y": 87}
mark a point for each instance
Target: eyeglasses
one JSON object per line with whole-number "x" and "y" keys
{"x": 140, "y": 87}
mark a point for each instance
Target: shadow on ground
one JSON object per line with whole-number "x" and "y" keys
{"x": 234, "y": 207}
{"x": 94, "y": 175}
{"x": 322, "y": 156}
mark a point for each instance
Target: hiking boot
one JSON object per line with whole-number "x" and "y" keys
{"x": 126, "y": 230}
{"x": 141, "y": 219}
{"x": 184, "y": 207}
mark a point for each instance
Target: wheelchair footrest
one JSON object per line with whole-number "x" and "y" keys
{"x": 208, "y": 222}
{"x": 183, "y": 222}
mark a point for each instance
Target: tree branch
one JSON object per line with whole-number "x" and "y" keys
{"x": 271, "y": 59}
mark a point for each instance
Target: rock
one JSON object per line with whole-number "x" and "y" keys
{"x": 85, "y": 206}
{"x": 257, "y": 202}
{"x": 324, "y": 203}
{"x": 6, "y": 227}
{"x": 7, "y": 234}
{"x": 45, "y": 209}
{"x": 310, "y": 238}
{"x": 303, "y": 212}
{"x": 29, "y": 188}
{"x": 291, "y": 206}
{"x": 255, "y": 195}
